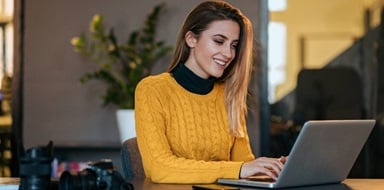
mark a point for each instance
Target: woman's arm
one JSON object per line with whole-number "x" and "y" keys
{"x": 241, "y": 150}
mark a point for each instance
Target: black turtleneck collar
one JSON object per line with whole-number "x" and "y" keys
{"x": 191, "y": 82}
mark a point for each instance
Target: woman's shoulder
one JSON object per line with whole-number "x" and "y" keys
{"x": 155, "y": 80}
{"x": 158, "y": 78}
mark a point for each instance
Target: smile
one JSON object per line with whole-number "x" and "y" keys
{"x": 220, "y": 62}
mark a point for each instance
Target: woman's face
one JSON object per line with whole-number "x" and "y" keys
{"x": 214, "y": 49}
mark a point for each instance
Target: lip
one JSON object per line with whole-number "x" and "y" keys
{"x": 220, "y": 62}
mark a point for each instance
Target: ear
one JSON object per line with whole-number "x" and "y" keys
{"x": 190, "y": 39}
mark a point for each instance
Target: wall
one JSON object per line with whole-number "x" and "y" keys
{"x": 56, "y": 106}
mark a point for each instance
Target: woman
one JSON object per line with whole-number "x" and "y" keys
{"x": 190, "y": 121}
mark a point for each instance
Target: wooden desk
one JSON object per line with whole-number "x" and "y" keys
{"x": 144, "y": 184}
{"x": 348, "y": 184}
{"x": 369, "y": 184}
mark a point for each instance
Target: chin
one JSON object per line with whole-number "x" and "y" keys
{"x": 217, "y": 75}
{"x": 217, "y": 72}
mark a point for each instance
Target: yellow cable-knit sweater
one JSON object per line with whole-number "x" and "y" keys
{"x": 184, "y": 137}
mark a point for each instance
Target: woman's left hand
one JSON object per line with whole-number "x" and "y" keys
{"x": 264, "y": 166}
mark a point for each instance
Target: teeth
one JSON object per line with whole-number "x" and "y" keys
{"x": 222, "y": 63}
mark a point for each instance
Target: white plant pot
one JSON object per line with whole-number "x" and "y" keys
{"x": 126, "y": 123}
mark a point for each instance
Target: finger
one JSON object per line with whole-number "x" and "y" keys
{"x": 268, "y": 172}
{"x": 282, "y": 159}
{"x": 275, "y": 161}
{"x": 274, "y": 165}
{"x": 280, "y": 162}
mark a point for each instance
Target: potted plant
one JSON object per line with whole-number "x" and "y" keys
{"x": 121, "y": 65}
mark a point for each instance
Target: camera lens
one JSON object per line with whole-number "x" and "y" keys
{"x": 85, "y": 179}
{"x": 35, "y": 183}
{"x": 35, "y": 168}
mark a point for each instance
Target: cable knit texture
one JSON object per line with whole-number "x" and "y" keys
{"x": 184, "y": 137}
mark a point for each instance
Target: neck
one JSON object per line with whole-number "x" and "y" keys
{"x": 191, "y": 82}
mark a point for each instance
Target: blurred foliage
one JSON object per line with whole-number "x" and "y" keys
{"x": 121, "y": 65}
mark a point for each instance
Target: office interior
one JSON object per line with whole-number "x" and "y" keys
{"x": 318, "y": 60}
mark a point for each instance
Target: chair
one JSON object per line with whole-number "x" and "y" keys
{"x": 131, "y": 160}
{"x": 332, "y": 93}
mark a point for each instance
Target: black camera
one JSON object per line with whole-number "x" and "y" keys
{"x": 98, "y": 176}
{"x": 36, "y": 168}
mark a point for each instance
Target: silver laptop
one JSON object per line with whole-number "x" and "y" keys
{"x": 323, "y": 153}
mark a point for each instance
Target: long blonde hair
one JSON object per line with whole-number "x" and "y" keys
{"x": 237, "y": 75}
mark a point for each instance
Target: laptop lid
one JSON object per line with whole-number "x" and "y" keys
{"x": 324, "y": 153}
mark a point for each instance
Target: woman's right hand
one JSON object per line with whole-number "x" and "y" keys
{"x": 263, "y": 166}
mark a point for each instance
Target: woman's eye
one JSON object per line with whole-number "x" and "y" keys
{"x": 234, "y": 46}
{"x": 219, "y": 41}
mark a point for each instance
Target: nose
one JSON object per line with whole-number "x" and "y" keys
{"x": 227, "y": 51}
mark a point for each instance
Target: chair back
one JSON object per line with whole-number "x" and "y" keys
{"x": 332, "y": 93}
{"x": 131, "y": 160}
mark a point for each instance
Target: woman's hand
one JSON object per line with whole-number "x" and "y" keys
{"x": 263, "y": 165}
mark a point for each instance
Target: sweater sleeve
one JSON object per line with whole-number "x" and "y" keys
{"x": 160, "y": 164}
{"x": 241, "y": 150}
